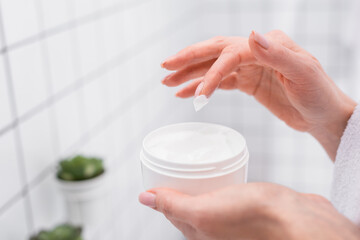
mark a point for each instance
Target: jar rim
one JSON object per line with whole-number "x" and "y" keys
{"x": 239, "y": 155}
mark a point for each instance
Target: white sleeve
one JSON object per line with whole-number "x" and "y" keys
{"x": 345, "y": 193}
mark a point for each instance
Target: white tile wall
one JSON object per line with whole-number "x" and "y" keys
{"x": 61, "y": 60}
{"x": 67, "y": 115}
{"x": 13, "y": 222}
{"x": 88, "y": 48}
{"x": 47, "y": 204}
{"x": 38, "y": 145}
{"x": 56, "y": 12}
{"x": 83, "y": 7}
{"x": 94, "y": 102}
{"x": 19, "y": 22}
{"x": 28, "y": 77}
{"x": 91, "y": 83}
{"x": 4, "y": 97}
{"x": 9, "y": 172}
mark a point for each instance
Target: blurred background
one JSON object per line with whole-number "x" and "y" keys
{"x": 83, "y": 76}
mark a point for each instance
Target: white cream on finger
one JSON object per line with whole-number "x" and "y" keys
{"x": 200, "y": 102}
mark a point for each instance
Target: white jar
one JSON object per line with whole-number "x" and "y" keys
{"x": 194, "y": 157}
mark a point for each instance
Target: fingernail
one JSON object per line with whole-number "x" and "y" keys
{"x": 261, "y": 40}
{"x": 165, "y": 61}
{"x": 147, "y": 199}
{"x": 198, "y": 89}
{"x": 167, "y": 77}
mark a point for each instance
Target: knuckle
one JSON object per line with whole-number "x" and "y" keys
{"x": 219, "y": 75}
{"x": 230, "y": 50}
{"x": 233, "y": 52}
{"x": 322, "y": 199}
{"x": 316, "y": 62}
{"x": 313, "y": 66}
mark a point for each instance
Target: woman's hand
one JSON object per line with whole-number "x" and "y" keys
{"x": 283, "y": 77}
{"x": 251, "y": 211}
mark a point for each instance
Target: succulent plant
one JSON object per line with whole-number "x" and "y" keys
{"x": 80, "y": 168}
{"x": 61, "y": 232}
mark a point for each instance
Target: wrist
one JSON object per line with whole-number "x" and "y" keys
{"x": 329, "y": 132}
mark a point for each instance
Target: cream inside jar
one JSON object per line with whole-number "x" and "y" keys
{"x": 195, "y": 143}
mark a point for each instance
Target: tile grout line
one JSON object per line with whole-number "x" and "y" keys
{"x": 97, "y": 128}
{"x": 105, "y": 121}
{"x": 131, "y": 142}
{"x": 50, "y": 88}
{"x": 17, "y": 136}
{"x": 122, "y": 57}
{"x": 79, "y": 71}
{"x": 107, "y": 12}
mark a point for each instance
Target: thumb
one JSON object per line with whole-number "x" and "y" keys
{"x": 172, "y": 204}
{"x": 274, "y": 54}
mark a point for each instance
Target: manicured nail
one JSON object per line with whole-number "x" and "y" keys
{"x": 147, "y": 199}
{"x": 167, "y": 77}
{"x": 198, "y": 89}
{"x": 261, "y": 40}
{"x": 165, "y": 61}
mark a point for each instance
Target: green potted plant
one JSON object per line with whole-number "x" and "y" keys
{"x": 82, "y": 180}
{"x": 61, "y": 232}
{"x": 80, "y": 168}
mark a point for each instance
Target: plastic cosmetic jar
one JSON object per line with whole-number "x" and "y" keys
{"x": 194, "y": 157}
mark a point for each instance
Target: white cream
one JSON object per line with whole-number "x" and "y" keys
{"x": 200, "y": 102}
{"x": 206, "y": 144}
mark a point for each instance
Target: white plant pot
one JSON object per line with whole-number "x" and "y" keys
{"x": 86, "y": 200}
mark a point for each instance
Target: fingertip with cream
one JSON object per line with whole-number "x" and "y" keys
{"x": 200, "y": 100}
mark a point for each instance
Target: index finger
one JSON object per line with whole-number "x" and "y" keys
{"x": 229, "y": 60}
{"x": 199, "y": 52}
